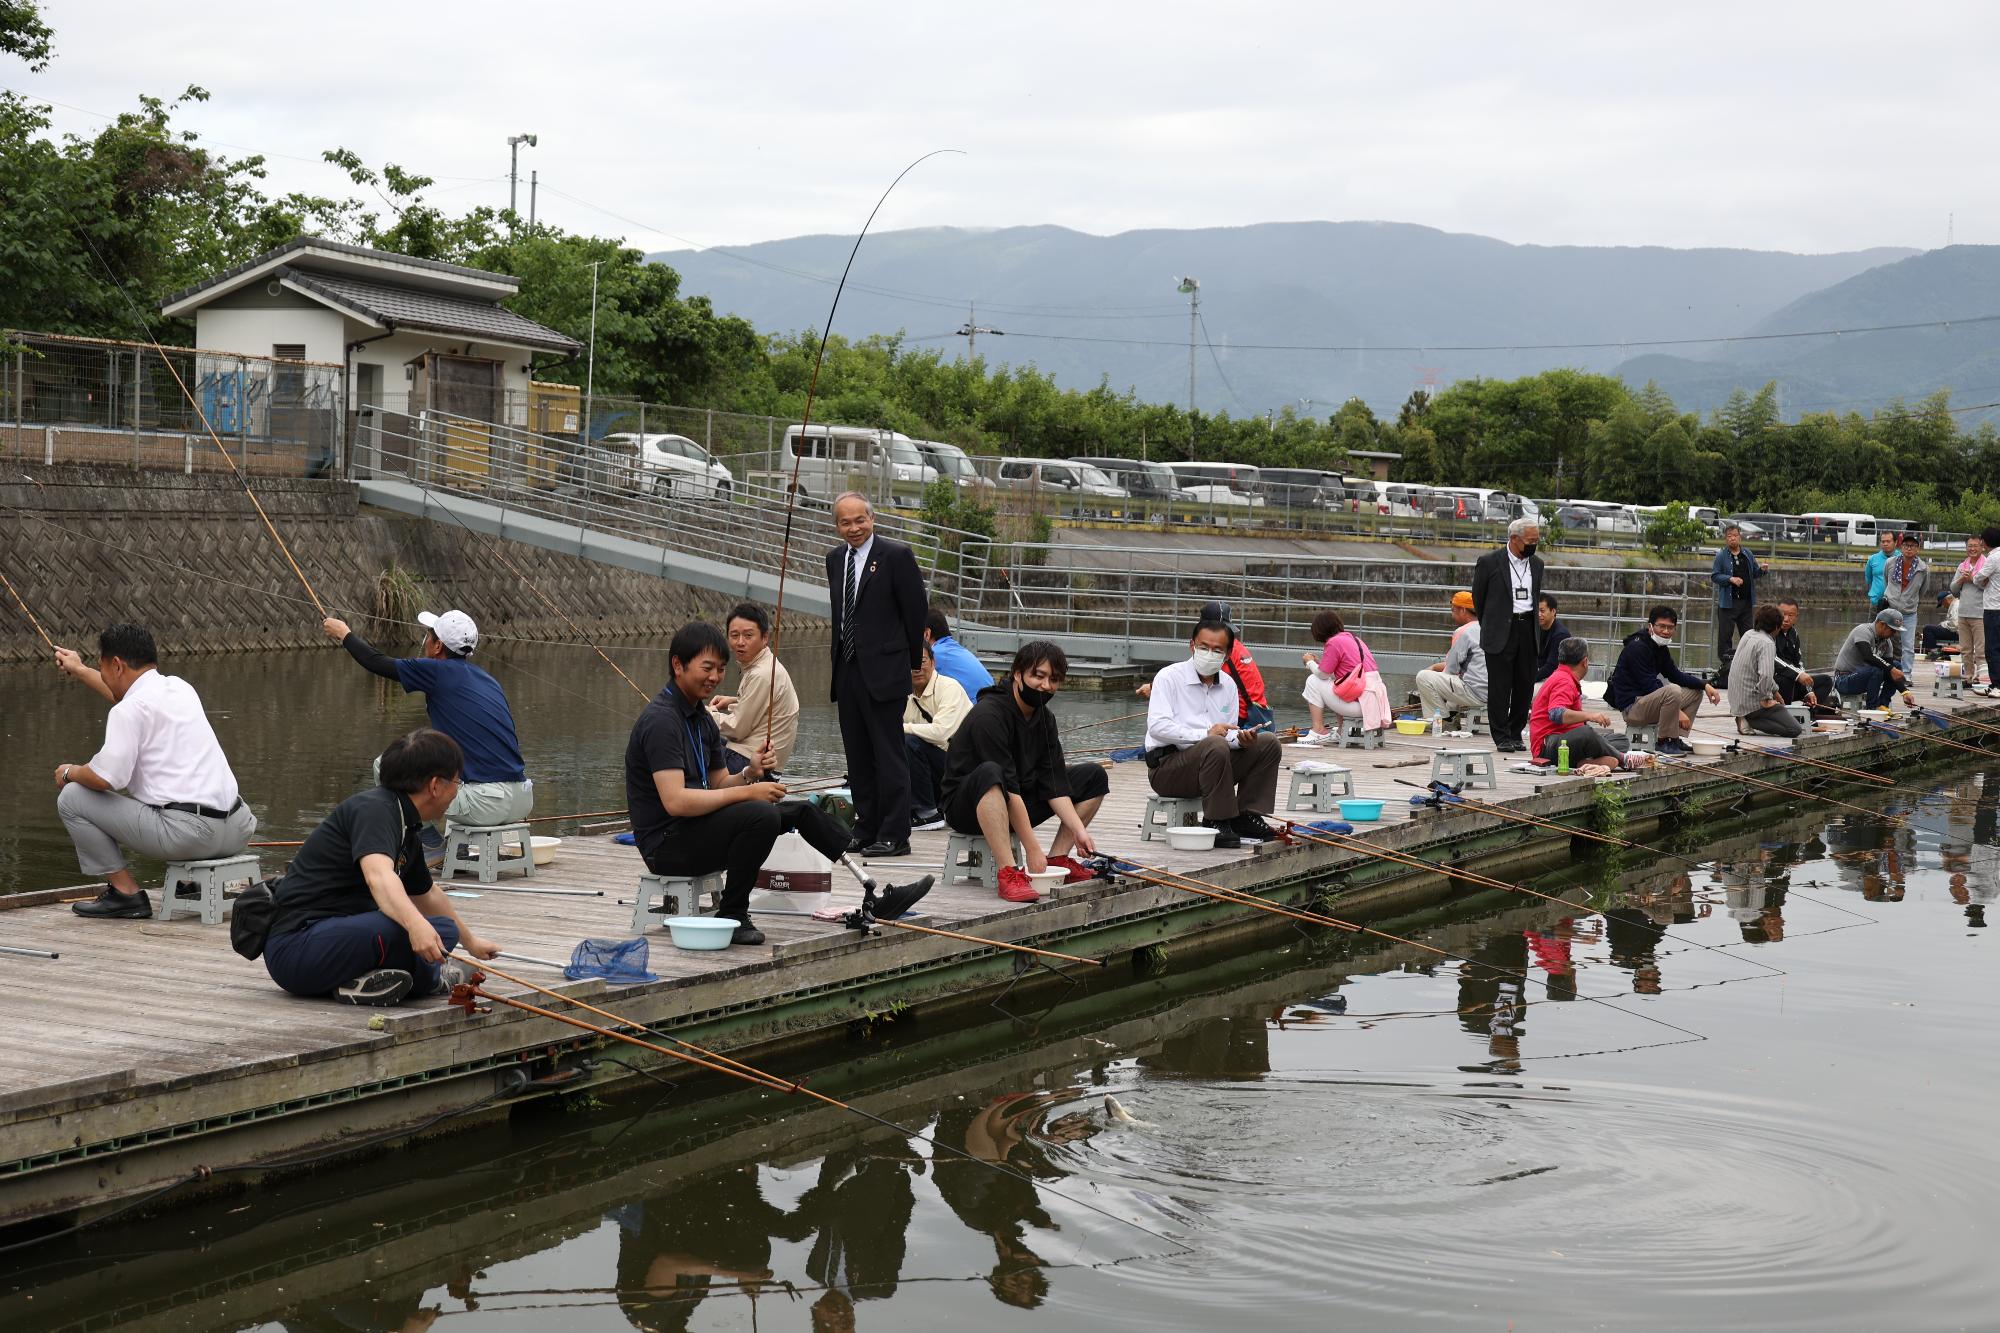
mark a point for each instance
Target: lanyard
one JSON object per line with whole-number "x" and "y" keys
{"x": 696, "y": 750}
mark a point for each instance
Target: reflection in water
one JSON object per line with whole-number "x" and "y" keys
{"x": 1317, "y": 1162}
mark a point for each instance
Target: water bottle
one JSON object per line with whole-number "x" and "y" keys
{"x": 1562, "y": 755}
{"x": 1437, "y": 722}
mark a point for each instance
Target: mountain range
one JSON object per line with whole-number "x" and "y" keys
{"x": 1309, "y": 314}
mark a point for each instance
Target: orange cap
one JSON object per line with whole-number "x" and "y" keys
{"x": 1462, "y": 600}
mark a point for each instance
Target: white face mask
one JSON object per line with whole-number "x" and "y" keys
{"x": 1657, "y": 639}
{"x": 1207, "y": 661}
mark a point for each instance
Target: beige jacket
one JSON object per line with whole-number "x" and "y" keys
{"x": 944, "y": 701}
{"x": 742, "y": 727}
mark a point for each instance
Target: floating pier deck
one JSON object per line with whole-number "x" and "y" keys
{"x": 150, "y": 1050}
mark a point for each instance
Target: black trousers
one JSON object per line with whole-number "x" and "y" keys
{"x": 1794, "y": 690}
{"x": 1510, "y": 681}
{"x": 1731, "y": 623}
{"x": 878, "y": 770}
{"x": 737, "y": 840}
{"x": 926, "y": 772}
{"x": 1087, "y": 782}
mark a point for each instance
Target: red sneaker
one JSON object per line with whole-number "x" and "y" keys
{"x": 1074, "y": 873}
{"x": 1014, "y": 886}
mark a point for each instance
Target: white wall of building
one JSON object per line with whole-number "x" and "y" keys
{"x": 254, "y": 332}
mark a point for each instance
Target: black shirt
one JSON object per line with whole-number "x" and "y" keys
{"x": 1028, "y": 749}
{"x": 325, "y": 877}
{"x": 672, "y": 732}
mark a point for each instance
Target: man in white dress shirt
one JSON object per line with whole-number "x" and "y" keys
{"x": 1195, "y": 748}
{"x": 179, "y": 800}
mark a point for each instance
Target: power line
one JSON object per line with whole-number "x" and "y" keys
{"x": 1210, "y": 344}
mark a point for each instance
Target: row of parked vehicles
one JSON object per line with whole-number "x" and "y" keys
{"x": 829, "y": 459}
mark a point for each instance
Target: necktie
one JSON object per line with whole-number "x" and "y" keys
{"x": 847, "y": 611}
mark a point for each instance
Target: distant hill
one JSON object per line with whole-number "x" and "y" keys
{"x": 1075, "y": 305}
{"x": 1860, "y": 371}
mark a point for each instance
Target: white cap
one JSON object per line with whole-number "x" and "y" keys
{"x": 454, "y": 629}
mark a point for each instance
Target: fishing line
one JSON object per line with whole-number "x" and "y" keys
{"x": 1737, "y": 744}
{"x": 1238, "y": 897}
{"x": 727, "y": 1065}
{"x": 1440, "y": 793}
{"x": 812, "y": 389}
{"x": 1744, "y": 778}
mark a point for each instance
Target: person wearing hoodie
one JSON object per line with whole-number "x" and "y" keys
{"x": 1650, "y": 690}
{"x": 1903, "y": 579}
{"x": 1005, "y": 773}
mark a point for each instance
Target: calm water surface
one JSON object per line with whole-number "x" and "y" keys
{"x": 1756, "y": 1094}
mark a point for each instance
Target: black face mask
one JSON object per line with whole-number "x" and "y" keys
{"x": 1032, "y": 697}
{"x": 1529, "y": 549}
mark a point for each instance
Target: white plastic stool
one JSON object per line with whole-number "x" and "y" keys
{"x": 210, "y": 878}
{"x": 1347, "y": 733}
{"x": 1165, "y": 812}
{"x": 976, "y": 867}
{"x": 674, "y": 895}
{"x": 1802, "y": 714}
{"x": 1474, "y": 768}
{"x": 1472, "y": 719}
{"x": 1642, "y": 735}
{"x": 484, "y": 842}
{"x": 1318, "y": 791}
{"x": 1949, "y": 687}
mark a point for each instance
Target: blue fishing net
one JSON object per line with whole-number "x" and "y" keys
{"x": 1327, "y": 826}
{"x": 620, "y": 962}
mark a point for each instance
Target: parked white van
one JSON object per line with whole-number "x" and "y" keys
{"x": 953, "y": 462}
{"x": 1494, "y": 506}
{"x": 1842, "y": 529}
{"x": 1218, "y": 482}
{"x": 1057, "y": 475}
{"x": 833, "y": 459}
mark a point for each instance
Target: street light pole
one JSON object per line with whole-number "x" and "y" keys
{"x": 1191, "y": 287}
{"x": 514, "y": 142}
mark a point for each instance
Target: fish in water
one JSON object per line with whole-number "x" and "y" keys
{"x": 1118, "y": 1115}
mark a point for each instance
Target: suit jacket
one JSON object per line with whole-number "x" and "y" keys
{"x": 1493, "y": 598}
{"x": 889, "y": 609}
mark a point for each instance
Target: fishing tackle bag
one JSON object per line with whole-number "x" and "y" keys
{"x": 250, "y": 915}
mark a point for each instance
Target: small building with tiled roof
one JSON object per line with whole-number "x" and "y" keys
{"x": 412, "y": 334}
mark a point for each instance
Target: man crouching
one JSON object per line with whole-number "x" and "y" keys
{"x": 357, "y": 916}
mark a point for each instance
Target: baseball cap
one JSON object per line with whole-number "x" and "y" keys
{"x": 1462, "y": 600}
{"x": 1215, "y": 611}
{"x": 1889, "y": 616}
{"x": 1910, "y": 538}
{"x": 454, "y": 629}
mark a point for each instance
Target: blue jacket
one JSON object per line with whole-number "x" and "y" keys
{"x": 1724, "y": 569}
{"x": 1876, "y": 571}
{"x": 957, "y": 662}
{"x": 1642, "y": 664}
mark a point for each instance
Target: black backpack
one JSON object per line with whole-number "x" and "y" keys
{"x": 250, "y": 916}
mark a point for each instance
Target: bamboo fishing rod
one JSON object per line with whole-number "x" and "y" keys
{"x": 737, "y": 1069}
{"x": 1367, "y": 848}
{"x": 29, "y": 614}
{"x": 1152, "y": 875}
{"x": 1749, "y": 781}
{"x": 1903, "y": 733}
{"x": 1737, "y": 743}
{"x": 805, "y": 421}
{"x": 1938, "y": 719}
{"x": 1536, "y": 821}
{"x": 991, "y": 944}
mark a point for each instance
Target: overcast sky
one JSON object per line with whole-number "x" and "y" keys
{"x": 1797, "y": 126}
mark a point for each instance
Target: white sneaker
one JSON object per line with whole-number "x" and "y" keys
{"x": 1311, "y": 737}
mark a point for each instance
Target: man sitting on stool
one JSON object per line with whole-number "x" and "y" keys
{"x": 357, "y": 915}
{"x": 690, "y": 814}
{"x": 1457, "y": 684}
{"x": 1650, "y": 690}
{"x": 1194, "y": 747}
{"x": 1006, "y": 774}
{"x": 1559, "y": 717}
{"x": 180, "y": 801}
{"x": 936, "y": 709}
{"x": 1868, "y": 665}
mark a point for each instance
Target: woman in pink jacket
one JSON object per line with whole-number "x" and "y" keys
{"x": 1344, "y": 656}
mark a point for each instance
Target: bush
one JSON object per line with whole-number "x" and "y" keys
{"x": 1673, "y": 531}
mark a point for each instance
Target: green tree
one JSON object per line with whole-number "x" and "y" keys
{"x": 24, "y": 34}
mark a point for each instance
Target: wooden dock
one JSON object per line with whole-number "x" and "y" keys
{"x": 150, "y": 1050}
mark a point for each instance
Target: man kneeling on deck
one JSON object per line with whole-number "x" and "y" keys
{"x": 690, "y": 814}
{"x": 1005, "y": 774}
{"x": 357, "y": 915}
{"x": 179, "y": 800}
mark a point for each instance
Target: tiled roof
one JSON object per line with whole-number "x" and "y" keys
{"x": 429, "y": 312}
{"x": 298, "y": 243}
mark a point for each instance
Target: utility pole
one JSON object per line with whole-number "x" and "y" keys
{"x": 971, "y": 330}
{"x": 514, "y": 142}
{"x": 534, "y": 180}
{"x": 1191, "y": 287}
{"x": 590, "y": 365}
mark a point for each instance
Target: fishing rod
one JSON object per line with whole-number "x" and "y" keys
{"x": 1933, "y": 716}
{"x": 798, "y": 455}
{"x": 1413, "y": 861}
{"x": 29, "y": 614}
{"x": 737, "y": 1069}
{"x": 1441, "y": 793}
{"x": 1904, "y": 734}
{"x": 1749, "y": 781}
{"x": 1152, "y": 875}
{"x": 1737, "y": 744}
{"x": 1105, "y": 722}
{"x": 991, "y": 944}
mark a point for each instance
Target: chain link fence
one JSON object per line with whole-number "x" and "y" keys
{"x": 95, "y": 401}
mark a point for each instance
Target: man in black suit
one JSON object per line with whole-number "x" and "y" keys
{"x": 878, "y": 640}
{"x": 1505, "y": 584}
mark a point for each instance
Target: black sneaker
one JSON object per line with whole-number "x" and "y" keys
{"x": 926, "y": 821}
{"x": 113, "y": 905}
{"x": 1226, "y": 836}
{"x": 1673, "y": 745}
{"x": 378, "y": 989}
{"x": 747, "y": 934}
{"x": 897, "y": 899}
{"x": 1252, "y": 828}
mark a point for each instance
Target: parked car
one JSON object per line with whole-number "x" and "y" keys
{"x": 1220, "y": 495}
{"x": 1774, "y": 527}
{"x": 830, "y": 459}
{"x": 1840, "y": 528}
{"x": 1058, "y": 475}
{"x": 948, "y": 460}
{"x": 1300, "y": 488}
{"x": 673, "y": 465}
{"x": 1576, "y": 517}
{"x": 1499, "y": 506}
{"x": 1238, "y": 477}
{"x": 1141, "y": 480}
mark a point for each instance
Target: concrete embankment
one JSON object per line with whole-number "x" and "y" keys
{"x": 188, "y": 556}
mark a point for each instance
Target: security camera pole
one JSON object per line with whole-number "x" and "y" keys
{"x": 514, "y": 142}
